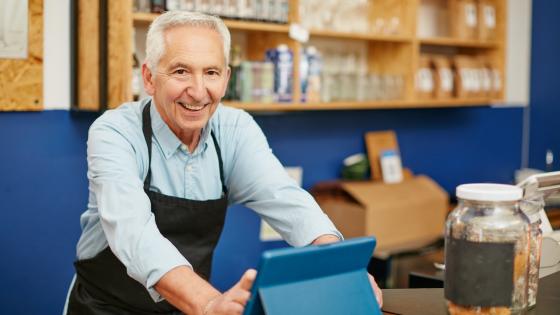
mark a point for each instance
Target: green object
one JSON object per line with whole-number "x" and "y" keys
{"x": 355, "y": 167}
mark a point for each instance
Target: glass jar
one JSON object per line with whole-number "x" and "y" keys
{"x": 486, "y": 251}
{"x": 532, "y": 208}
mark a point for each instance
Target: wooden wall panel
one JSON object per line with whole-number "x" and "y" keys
{"x": 88, "y": 55}
{"x": 21, "y": 80}
{"x": 120, "y": 52}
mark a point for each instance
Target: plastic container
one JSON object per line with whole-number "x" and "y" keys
{"x": 487, "y": 251}
{"x": 283, "y": 71}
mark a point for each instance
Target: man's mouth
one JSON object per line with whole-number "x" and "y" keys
{"x": 192, "y": 107}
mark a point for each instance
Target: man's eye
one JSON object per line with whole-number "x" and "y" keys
{"x": 213, "y": 73}
{"x": 180, "y": 71}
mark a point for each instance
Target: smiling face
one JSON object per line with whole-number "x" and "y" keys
{"x": 190, "y": 79}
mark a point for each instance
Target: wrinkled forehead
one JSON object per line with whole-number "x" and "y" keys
{"x": 200, "y": 41}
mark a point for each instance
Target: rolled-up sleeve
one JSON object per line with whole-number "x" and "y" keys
{"x": 259, "y": 181}
{"x": 124, "y": 209}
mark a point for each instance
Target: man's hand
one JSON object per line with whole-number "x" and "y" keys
{"x": 327, "y": 238}
{"x": 235, "y": 299}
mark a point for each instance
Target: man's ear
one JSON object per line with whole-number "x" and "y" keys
{"x": 148, "y": 78}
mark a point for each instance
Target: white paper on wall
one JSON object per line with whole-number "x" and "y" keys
{"x": 13, "y": 29}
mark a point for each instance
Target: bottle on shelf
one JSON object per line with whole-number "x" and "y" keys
{"x": 136, "y": 78}
{"x": 233, "y": 89}
{"x": 157, "y": 6}
{"x": 282, "y": 58}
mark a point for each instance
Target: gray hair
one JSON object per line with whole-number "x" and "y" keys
{"x": 155, "y": 43}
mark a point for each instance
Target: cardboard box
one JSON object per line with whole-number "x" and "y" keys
{"x": 402, "y": 216}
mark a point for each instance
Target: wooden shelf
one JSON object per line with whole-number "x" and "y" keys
{"x": 351, "y": 105}
{"x": 397, "y": 54}
{"x": 146, "y": 18}
{"x": 361, "y": 36}
{"x": 455, "y": 42}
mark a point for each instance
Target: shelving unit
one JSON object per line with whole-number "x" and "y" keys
{"x": 454, "y": 42}
{"x": 393, "y": 54}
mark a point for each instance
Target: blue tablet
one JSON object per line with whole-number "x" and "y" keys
{"x": 324, "y": 279}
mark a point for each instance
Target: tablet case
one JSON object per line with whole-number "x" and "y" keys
{"x": 324, "y": 279}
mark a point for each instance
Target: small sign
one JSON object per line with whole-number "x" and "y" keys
{"x": 13, "y": 29}
{"x": 267, "y": 233}
{"x": 297, "y": 32}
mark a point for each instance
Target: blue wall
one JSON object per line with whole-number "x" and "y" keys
{"x": 545, "y": 86}
{"x": 43, "y": 187}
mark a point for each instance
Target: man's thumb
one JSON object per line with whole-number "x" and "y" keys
{"x": 246, "y": 281}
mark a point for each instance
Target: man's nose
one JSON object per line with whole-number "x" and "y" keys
{"x": 197, "y": 88}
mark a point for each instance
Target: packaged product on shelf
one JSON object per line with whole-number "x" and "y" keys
{"x": 202, "y": 5}
{"x": 246, "y": 82}
{"x": 487, "y": 20}
{"x": 284, "y": 11}
{"x": 464, "y": 18}
{"x": 282, "y": 58}
{"x": 487, "y": 88}
{"x": 216, "y": 7}
{"x": 267, "y": 82}
{"x": 463, "y": 76}
{"x": 375, "y": 88}
{"x": 242, "y": 9}
{"x": 256, "y": 88}
{"x": 443, "y": 77}
{"x": 336, "y": 15}
{"x": 172, "y": 5}
{"x": 303, "y": 74}
{"x": 136, "y": 78}
{"x": 476, "y": 72}
{"x": 496, "y": 82}
{"x": 157, "y": 6}
{"x": 187, "y": 5}
{"x": 233, "y": 89}
{"x": 313, "y": 92}
{"x": 143, "y": 6}
{"x": 424, "y": 80}
{"x": 257, "y": 82}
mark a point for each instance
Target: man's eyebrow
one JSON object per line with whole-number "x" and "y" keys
{"x": 178, "y": 65}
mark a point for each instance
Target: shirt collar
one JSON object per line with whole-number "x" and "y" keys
{"x": 168, "y": 140}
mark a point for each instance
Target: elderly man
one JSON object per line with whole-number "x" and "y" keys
{"x": 162, "y": 172}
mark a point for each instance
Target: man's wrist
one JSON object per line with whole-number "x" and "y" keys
{"x": 209, "y": 304}
{"x": 326, "y": 239}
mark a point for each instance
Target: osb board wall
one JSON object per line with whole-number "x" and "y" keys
{"x": 21, "y": 80}
{"x": 119, "y": 60}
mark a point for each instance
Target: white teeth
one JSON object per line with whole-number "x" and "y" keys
{"x": 191, "y": 107}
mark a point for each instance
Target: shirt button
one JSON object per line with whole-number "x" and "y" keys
{"x": 189, "y": 168}
{"x": 184, "y": 147}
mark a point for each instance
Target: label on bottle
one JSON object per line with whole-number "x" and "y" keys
{"x": 446, "y": 79}
{"x": 489, "y": 16}
{"x": 479, "y": 273}
{"x": 470, "y": 15}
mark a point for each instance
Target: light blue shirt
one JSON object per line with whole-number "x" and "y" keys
{"x": 119, "y": 214}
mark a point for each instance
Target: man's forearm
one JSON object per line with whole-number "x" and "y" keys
{"x": 186, "y": 290}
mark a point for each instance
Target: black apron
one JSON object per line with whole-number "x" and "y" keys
{"x": 102, "y": 285}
